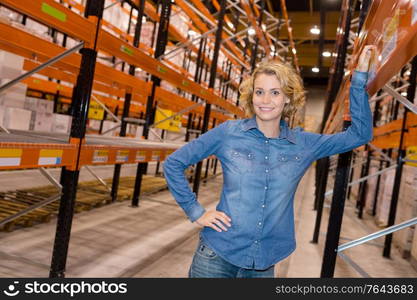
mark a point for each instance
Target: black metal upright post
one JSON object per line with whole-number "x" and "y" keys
{"x": 400, "y": 163}
{"x": 80, "y": 103}
{"x": 323, "y": 165}
{"x": 334, "y": 84}
{"x": 161, "y": 43}
{"x": 211, "y": 85}
{"x": 344, "y": 160}
{"x": 197, "y": 78}
{"x": 336, "y": 211}
{"x": 364, "y": 187}
{"x": 128, "y": 98}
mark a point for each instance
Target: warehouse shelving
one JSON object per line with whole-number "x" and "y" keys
{"x": 126, "y": 97}
{"x": 394, "y": 37}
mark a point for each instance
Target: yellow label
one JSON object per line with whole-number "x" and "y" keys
{"x": 50, "y": 153}
{"x": 100, "y": 156}
{"x": 122, "y": 155}
{"x": 11, "y": 152}
{"x": 173, "y": 124}
{"x": 140, "y": 155}
{"x": 95, "y": 111}
{"x": 411, "y": 153}
{"x": 156, "y": 154}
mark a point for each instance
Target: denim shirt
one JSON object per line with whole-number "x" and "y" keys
{"x": 260, "y": 178}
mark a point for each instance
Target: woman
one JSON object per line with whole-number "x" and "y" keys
{"x": 263, "y": 161}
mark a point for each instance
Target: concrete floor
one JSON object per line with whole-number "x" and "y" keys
{"x": 156, "y": 240}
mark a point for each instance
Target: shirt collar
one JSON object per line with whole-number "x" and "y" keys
{"x": 285, "y": 132}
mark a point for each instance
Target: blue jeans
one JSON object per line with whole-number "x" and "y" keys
{"x": 207, "y": 264}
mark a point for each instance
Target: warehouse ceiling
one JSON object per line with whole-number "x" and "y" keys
{"x": 314, "y": 51}
{"x": 303, "y": 15}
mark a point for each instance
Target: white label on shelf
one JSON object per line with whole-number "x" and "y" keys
{"x": 156, "y": 155}
{"x": 122, "y": 156}
{"x": 49, "y": 161}
{"x": 9, "y": 161}
{"x": 140, "y": 156}
{"x": 100, "y": 156}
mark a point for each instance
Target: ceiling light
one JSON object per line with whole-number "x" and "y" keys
{"x": 404, "y": 94}
{"x": 315, "y": 69}
{"x": 251, "y": 31}
{"x": 192, "y": 33}
{"x": 315, "y": 30}
{"x": 326, "y": 54}
{"x": 294, "y": 51}
{"x": 334, "y": 54}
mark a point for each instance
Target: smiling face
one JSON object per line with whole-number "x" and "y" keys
{"x": 268, "y": 99}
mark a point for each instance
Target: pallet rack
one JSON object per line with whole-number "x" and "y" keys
{"x": 389, "y": 26}
{"x": 124, "y": 96}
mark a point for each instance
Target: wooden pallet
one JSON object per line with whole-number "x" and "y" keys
{"x": 90, "y": 194}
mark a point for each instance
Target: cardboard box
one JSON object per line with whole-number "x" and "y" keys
{"x": 131, "y": 130}
{"x": 146, "y": 33}
{"x": 384, "y": 197}
{"x": 45, "y": 106}
{"x": 110, "y": 124}
{"x": 406, "y": 210}
{"x": 11, "y": 60}
{"x": 12, "y": 100}
{"x": 61, "y": 123}
{"x": 43, "y": 121}
{"x": 13, "y": 96}
{"x": 94, "y": 124}
{"x": 139, "y": 131}
{"x": 39, "y": 105}
{"x": 2, "y": 110}
{"x": 371, "y": 189}
{"x": 9, "y": 72}
{"x": 18, "y": 88}
{"x": 31, "y": 103}
{"x": 17, "y": 118}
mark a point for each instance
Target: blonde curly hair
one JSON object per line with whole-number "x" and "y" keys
{"x": 291, "y": 86}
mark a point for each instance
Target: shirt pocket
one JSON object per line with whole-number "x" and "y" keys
{"x": 289, "y": 163}
{"x": 242, "y": 159}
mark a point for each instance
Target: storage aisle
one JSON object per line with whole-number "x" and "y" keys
{"x": 156, "y": 240}
{"x": 151, "y": 76}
